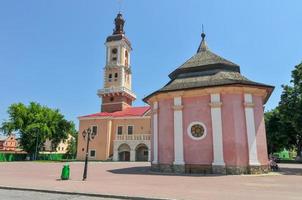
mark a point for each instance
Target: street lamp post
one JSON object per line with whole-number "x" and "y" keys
{"x": 36, "y": 149}
{"x": 90, "y": 135}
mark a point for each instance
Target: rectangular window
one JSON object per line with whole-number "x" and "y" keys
{"x": 92, "y": 154}
{"x": 115, "y": 75}
{"x": 120, "y": 130}
{"x": 130, "y": 130}
{"x": 94, "y": 130}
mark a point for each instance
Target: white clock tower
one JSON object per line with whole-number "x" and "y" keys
{"x": 117, "y": 94}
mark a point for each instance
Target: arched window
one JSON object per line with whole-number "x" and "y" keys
{"x": 110, "y": 77}
{"x": 114, "y": 54}
{"x": 126, "y": 58}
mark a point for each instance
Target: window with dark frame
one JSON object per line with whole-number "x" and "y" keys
{"x": 92, "y": 153}
{"x": 94, "y": 130}
{"x": 130, "y": 130}
{"x": 120, "y": 130}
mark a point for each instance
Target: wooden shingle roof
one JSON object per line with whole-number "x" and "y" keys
{"x": 206, "y": 69}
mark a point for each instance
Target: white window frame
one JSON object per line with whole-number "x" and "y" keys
{"x": 189, "y": 130}
{"x": 90, "y": 153}
{"x": 117, "y": 129}
{"x": 132, "y": 129}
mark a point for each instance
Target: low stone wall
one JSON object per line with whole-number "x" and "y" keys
{"x": 209, "y": 169}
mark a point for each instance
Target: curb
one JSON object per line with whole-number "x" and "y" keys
{"x": 80, "y": 193}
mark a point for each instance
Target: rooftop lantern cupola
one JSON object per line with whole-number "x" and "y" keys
{"x": 119, "y": 24}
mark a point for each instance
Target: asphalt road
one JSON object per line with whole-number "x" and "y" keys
{"x": 24, "y": 195}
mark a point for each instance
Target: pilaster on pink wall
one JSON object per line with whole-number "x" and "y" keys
{"x": 234, "y": 130}
{"x": 197, "y": 109}
{"x": 260, "y": 130}
{"x": 165, "y": 132}
{"x": 152, "y": 141}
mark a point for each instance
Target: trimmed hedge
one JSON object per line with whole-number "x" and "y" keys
{"x": 51, "y": 156}
{"x": 9, "y": 157}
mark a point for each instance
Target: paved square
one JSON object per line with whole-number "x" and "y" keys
{"x": 135, "y": 179}
{"x": 21, "y": 195}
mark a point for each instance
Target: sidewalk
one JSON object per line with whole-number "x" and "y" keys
{"x": 135, "y": 179}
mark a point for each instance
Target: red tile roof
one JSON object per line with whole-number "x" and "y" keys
{"x": 128, "y": 112}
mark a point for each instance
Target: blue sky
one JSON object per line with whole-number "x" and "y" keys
{"x": 53, "y": 52}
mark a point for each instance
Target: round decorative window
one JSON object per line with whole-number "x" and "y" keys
{"x": 114, "y": 51}
{"x": 197, "y": 130}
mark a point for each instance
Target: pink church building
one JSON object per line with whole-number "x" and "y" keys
{"x": 209, "y": 119}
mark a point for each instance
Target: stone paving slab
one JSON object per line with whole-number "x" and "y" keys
{"x": 135, "y": 179}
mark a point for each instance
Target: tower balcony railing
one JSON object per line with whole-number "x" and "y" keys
{"x": 133, "y": 137}
{"x": 115, "y": 90}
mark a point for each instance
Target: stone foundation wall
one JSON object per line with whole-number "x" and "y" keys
{"x": 209, "y": 169}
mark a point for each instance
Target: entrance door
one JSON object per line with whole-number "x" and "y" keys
{"x": 124, "y": 152}
{"x": 142, "y": 153}
{"x": 124, "y": 156}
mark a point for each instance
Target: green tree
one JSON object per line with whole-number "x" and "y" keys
{"x": 35, "y": 123}
{"x": 274, "y": 136}
{"x": 72, "y": 146}
{"x": 290, "y": 107}
{"x": 277, "y": 131}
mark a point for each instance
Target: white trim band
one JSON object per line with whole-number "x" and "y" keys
{"x": 218, "y": 158}
{"x": 178, "y": 133}
{"x": 155, "y": 133}
{"x": 251, "y": 130}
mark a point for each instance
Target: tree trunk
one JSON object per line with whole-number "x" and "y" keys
{"x": 299, "y": 149}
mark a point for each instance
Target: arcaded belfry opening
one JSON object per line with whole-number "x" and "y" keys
{"x": 141, "y": 153}
{"x": 124, "y": 152}
{"x": 209, "y": 119}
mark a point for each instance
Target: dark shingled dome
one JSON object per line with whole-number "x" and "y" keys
{"x": 206, "y": 69}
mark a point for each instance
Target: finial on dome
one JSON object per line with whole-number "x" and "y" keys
{"x": 203, "y": 45}
{"x": 119, "y": 24}
{"x": 203, "y": 35}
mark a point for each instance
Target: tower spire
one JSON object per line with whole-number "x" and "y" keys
{"x": 119, "y": 6}
{"x": 119, "y": 24}
{"x": 203, "y": 45}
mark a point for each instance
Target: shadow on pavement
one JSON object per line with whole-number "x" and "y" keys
{"x": 147, "y": 171}
{"x": 290, "y": 171}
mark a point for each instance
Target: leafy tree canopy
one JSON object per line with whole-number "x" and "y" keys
{"x": 277, "y": 131}
{"x": 290, "y": 109}
{"x": 37, "y": 123}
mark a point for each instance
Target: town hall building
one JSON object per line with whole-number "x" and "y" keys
{"x": 209, "y": 119}
{"x": 122, "y": 132}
